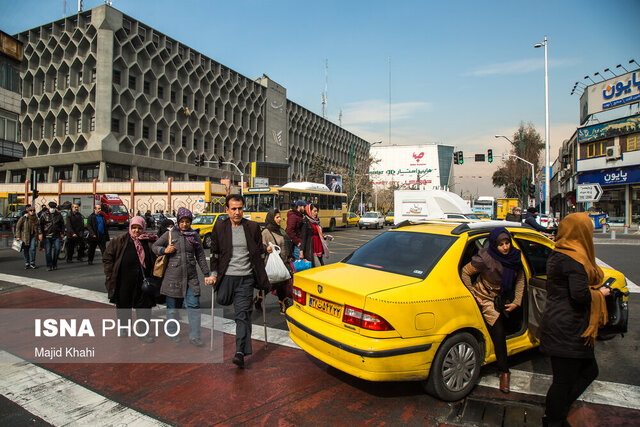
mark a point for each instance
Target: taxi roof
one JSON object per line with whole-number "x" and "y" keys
{"x": 458, "y": 227}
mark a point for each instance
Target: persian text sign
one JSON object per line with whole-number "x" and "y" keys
{"x": 615, "y": 92}
{"x": 588, "y": 193}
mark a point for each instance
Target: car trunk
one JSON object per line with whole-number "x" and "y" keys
{"x": 330, "y": 289}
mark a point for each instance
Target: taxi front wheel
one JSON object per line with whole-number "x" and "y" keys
{"x": 455, "y": 369}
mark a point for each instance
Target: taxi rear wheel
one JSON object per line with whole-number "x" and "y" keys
{"x": 207, "y": 241}
{"x": 455, "y": 369}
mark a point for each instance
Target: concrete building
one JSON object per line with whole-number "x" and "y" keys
{"x": 10, "y": 64}
{"x": 107, "y": 97}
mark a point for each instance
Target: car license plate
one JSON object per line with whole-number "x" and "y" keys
{"x": 327, "y": 307}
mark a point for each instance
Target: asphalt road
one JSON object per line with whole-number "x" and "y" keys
{"x": 617, "y": 358}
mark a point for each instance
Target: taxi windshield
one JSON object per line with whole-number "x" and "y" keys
{"x": 402, "y": 252}
{"x": 203, "y": 219}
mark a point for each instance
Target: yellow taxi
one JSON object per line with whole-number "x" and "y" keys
{"x": 388, "y": 219}
{"x": 352, "y": 219}
{"x": 396, "y": 309}
{"x": 205, "y": 222}
{"x": 482, "y": 216}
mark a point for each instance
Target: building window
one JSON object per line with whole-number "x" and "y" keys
{"x": 145, "y": 131}
{"x": 633, "y": 142}
{"x": 145, "y": 174}
{"x": 173, "y": 96}
{"x": 92, "y": 124}
{"x": 18, "y": 176}
{"x": 87, "y": 173}
{"x": 42, "y": 175}
{"x": 67, "y": 80}
{"x": 55, "y": 83}
{"x": 62, "y": 172}
{"x": 131, "y": 128}
{"x": 116, "y": 77}
{"x": 53, "y": 129}
{"x": 206, "y": 144}
{"x": 66, "y": 127}
{"x": 118, "y": 172}
{"x": 195, "y": 143}
{"x": 146, "y": 87}
{"x": 79, "y": 125}
{"x": 172, "y": 137}
{"x": 79, "y": 78}
{"x": 160, "y": 92}
{"x": 10, "y": 78}
{"x": 195, "y": 104}
{"x": 115, "y": 125}
{"x": 42, "y": 131}
{"x": 159, "y": 135}
{"x": 206, "y": 108}
{"x": 132, "y": 82}
{"x": 8, "y": 129}
{"x": 93, "y": 75}
{"x": 184, "y": 100}
{"x": 184, "y": 141}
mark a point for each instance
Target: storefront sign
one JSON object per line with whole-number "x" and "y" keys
{"x": 610, "y": 129}
{"x": 588, "y": 193}
{"x": 616, "y": 92}
{"x": 611, "y": 176}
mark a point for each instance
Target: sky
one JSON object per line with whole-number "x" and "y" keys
{"x": 453, "y": 72}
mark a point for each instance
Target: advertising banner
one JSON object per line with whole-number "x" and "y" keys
{"x": 407, "y": 166}
{"x": 334, "y": 182}
{"x": 611, "y": 176}
{"x": 610, "y": 129}
{"x": 616, "y": 92}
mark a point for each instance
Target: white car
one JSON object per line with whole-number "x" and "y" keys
{"x": 371, "y": 220}
{"x": 548, "y": 222}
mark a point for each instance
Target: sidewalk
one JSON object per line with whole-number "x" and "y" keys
{"x": 280, "y": 386}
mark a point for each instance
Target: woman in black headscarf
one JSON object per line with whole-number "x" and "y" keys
{"x": 273, "y": 233}
{"x": 500, "y": 274}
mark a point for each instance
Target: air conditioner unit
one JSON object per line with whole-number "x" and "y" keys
{"x": 613, "y": 152}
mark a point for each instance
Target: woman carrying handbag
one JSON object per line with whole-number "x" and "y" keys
{"x": 127, "y": 260}
{"x": 180, "y": 283}
{"x": 272, "y": 233}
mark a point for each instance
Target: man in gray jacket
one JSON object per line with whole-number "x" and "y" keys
{"x": 237, "y": 264}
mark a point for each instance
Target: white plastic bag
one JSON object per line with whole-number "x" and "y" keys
{"x": 276, "y": 270}
{"x": 16, "y": 245}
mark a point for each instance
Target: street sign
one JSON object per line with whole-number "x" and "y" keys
{"x": 588, "y": 193}
{"x": 479, "y": 157}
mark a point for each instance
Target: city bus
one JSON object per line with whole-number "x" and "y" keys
{"x": 485, "y": 204}
{"x": 332, "y": 206}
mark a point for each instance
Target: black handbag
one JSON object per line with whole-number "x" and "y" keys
{"x": 224, "y": 291}
{"x": 618, "y": 311}
{"x": 500, "y": 301}
{"x": 150, "y": 285}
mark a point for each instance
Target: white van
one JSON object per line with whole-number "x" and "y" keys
{"x": 421, "y": 205}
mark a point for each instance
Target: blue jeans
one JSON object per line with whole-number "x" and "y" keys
{"x": 296, "y": 253}
{"x": 29, "y": 249}
{"x": 51, "y": 250}
{"x": 192, "y": 303}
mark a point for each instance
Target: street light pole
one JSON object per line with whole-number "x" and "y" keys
{"x": 547, "y": 202}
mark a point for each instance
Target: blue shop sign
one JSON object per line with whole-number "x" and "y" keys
{"x": 616, "y": 176}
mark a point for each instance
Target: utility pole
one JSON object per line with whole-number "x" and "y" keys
{"x": 326, "y": 88}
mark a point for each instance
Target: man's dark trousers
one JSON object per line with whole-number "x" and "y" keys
{"x": 243, "y": 307}
{"x": 72, "y": 243}
{"x": 93, "y": 242}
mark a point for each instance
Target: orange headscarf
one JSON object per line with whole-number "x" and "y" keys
{"x": 575, "y": 239}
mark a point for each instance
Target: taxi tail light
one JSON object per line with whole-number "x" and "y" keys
{"x": 299, "y": 296}
{"x": 364, "y": 319}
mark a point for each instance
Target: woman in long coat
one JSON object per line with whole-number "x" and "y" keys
{"x": 180, "y": 283}
{"x": 575, "y": 309}
{"x": 500, "y": 273}
{"x": 124, "y": 261}
{"x": 314, "y": 247}
{"x": 272, "y": 233}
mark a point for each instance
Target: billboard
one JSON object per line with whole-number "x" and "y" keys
{"x": 610, "y": 129}
{"x": 612, "y": 93}
{"x": 409, "y": 166}
{"x": 334, "y": 182}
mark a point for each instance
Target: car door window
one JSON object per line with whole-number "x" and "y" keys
{"x": 536, "y": 255}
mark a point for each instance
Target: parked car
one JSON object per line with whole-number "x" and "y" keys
{"x": 352, "y": 219}
{"x": 204, "y": 223}
{"x": 157, "y": 219}
{"x": 396, "y": 309}
{"x": 388, "y": 219}
{"x": 547, "y": 221}
{"x": 371, "y": 220}
{"x": 9, "y": 221}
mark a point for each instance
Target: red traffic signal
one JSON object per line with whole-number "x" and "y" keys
{"x": 220, "y": 161}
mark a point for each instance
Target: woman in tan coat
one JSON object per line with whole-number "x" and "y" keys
{"x": 272, "y": 233}
{"x": 499, "y": 274}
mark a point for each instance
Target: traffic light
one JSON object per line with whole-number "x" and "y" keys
{"x": 460, "y": 157}
{"x": 490, "y": 155}
{"x": 455, "y": 158}
{"x": 532, "y": 190}
{"x": 203, "y": 160}
{"x": 220, "y": 160}
{"x": 197, "y": 161}
{"x": 34, "y": 195}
